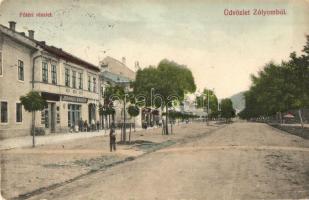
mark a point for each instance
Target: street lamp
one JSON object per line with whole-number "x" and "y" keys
{"x": 124, "y": 114}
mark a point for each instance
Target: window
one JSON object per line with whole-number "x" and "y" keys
{"x": 67, "y": 77}
{"x": 89, "y": 83}
{"x": 1, "y": 68}
{"x": 19, "y": 112}
{"x": 4, "y": 112}
{"x": 102, "y": 91}
{"x": 94, "y": 85}
{"x": 54, "y": 74}
{"x": 44, "y": 72}
{"x": 73, "y": 114}
{"x": 20, "y": 70}
{"x": 80, "y": 80}
{"x": 74, "y": 79}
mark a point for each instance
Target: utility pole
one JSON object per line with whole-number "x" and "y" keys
{"x": 151, "y": 96}
{"x": 150, "y": 121}
{"x": 124, "y": 117}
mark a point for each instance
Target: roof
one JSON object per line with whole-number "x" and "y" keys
{"x": 51, "y": 49}
{"x": 115, "y": 77}
{"x": 117, "y": 67}
{"x": 67, "y": 56}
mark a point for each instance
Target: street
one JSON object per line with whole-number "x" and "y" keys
{"x": 239, "y": 161}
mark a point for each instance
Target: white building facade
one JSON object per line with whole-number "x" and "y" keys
{"x": 69, "y": 84}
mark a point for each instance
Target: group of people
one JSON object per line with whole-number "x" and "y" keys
{"x": 85, "y": 127}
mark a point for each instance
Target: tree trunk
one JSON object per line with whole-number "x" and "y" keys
{"x": 301, "y": 118}
{"x": 134, "y": 124}
{"x": 121, "y": 133}
{"x": 130, "y": 133}
{"x": 109, "y": 121}
{"x": 33, "y": 129}
{"x": 172, "y": 127}
{"x": 280, "y": 117}
{"x": 166, "y": 123}
{"x": 102, "y": 122}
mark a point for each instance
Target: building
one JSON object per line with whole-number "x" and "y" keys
{"x": 114, "y": 72}
{"x": 69, "y": 84}
{"x": 116, "y": 67}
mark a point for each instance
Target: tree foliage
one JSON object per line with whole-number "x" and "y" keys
{"x": 33, "y": 101}
{"x": 202, "y": 101}
{"x": 227, "y": 110}
{"x": 279, "y": 87}
{"x": 167, "y": 79}
{"x": 163, "y": 85}
{"x": 133, "y": 110}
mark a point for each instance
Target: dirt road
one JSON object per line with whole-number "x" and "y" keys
{"x": 240, "y": 161}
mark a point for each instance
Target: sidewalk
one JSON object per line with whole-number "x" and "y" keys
{"x": 26, "y": 141}
{"x": 290, "y": 125}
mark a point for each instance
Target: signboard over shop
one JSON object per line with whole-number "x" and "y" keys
{"x": 74, "y": 99}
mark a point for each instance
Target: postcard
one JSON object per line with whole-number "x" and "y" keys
{"x": 154, "y": 99}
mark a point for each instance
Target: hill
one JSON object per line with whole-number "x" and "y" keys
{"x": 238, "y": 101}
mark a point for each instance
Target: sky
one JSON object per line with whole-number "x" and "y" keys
{"x": 221, "y": 51}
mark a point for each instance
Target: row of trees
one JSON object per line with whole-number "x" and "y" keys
{"x": 163, "y": 86}
{"x": 279, "y": 87}
{"x": 212, "y": 103}
{"x": 212, "y": 106}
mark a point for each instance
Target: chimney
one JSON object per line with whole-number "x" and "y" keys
{"x": 124, "y": 60}
{"x": 12, "y": 25}
{"x": 137, "y": 67}
{"x": 31, "y": 34}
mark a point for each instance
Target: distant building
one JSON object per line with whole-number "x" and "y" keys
{"x": 117, "y": 67}
{"x": 69, "y": 84}
{"x": 114, "y": 72}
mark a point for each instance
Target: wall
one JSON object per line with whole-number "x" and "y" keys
{"x": 12, "y": 88}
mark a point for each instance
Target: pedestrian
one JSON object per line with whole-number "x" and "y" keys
{"x": 112, "y": 138}
{"x": 86, "y": 125}
{"x": 98, "y": 126}
{"x": 92, "y": 125}
{"x": 80, "y": 124}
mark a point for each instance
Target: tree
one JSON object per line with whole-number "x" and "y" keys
{"x": 279, "y": 87}
{"x": 227, "y": 110}
{"x": 33, "y": 102}
{"x": 202, "y": 102}
{"x": 171, "y": 81}
{"x": 133, "y": 111}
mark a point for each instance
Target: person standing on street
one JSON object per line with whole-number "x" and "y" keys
{"x": 112, "y": 138}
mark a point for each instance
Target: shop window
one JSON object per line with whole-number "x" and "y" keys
{"x": 73, "y": 114}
